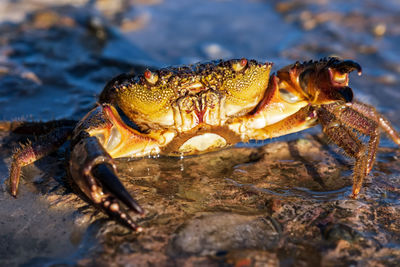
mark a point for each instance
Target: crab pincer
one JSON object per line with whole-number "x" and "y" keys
{"x": 94, "y": 171}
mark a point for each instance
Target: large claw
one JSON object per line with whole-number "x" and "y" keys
{"x": 94, "y": 172}
{"x": 321, "y": 82}
{"x": 338, "y": 78}
{"x": 347, "y": 66}
{"x": 336, "y": 87}
{"x": 105, "y": 174}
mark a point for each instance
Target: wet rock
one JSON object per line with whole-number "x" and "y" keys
{"x": 336, "y": 232}
{"x": 213, "y": 233}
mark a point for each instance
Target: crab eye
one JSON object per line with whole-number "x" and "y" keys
{"x": 151, "y": 77}
{"x": 239, "y": 65}
{"x": 304, "y": 79}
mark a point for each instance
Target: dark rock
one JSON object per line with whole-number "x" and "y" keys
{"x": 210, "y": 234}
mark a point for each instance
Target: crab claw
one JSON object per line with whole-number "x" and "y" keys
{"x": 347, "y": 94}
{"x": 321, "y": 82}
{"x": 347, "y": 66}
{"x": 338, "y": 79}
{"x": 105, "y": 174}
{"x": 339, "y": 70}
{"x": 94, "y": 171}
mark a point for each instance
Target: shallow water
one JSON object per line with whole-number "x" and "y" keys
{"x": 283, "y": 201}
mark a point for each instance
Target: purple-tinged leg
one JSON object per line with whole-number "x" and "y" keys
{"x": 371, "y": 113}
{"x": 344, "y": 137}
{"x": 31, "y": 152}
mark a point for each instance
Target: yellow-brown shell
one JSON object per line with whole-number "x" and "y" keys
{"x": 183, "y": 97}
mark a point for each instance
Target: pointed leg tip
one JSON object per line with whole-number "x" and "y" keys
{"x": 139, "y": 210}
{"x": 134, "y": 206}
{"x": 133, "y": 226}
{"x": 354, "y": 195}
{"x": 14, "y": 193}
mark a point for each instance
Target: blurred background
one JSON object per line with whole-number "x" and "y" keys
{"x": 55, "y": 58}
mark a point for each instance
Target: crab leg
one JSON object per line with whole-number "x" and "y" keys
{"x": 361, "y": 123}
{"x": 100, "y": 137}
{"x": 301, "y": 120}
{"x": 31, "y": 152}
{"x": 348, "y": 141}
{"x": 371, "y": 113}
{"x": 337, "y": 123}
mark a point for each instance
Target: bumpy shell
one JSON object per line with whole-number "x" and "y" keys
{"x": 186, "y": 95}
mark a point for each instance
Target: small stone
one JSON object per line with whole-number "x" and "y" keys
{"x": 210, "y": 233}
{"x": 379, "y": 29}
{"x": 215, "y": 51}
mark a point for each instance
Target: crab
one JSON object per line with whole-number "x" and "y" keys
{"x": 179, "y": 111}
